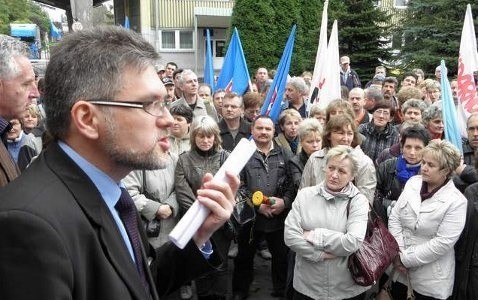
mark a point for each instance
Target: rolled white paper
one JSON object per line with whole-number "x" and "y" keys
{"x": 197, "y": 213}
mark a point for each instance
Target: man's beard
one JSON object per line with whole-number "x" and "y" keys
{"x": 135, "y": 160}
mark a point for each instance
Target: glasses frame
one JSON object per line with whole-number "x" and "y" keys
{"x": 131, "y": 104}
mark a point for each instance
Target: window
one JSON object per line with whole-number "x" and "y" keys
{"x": 401, "y": 3}
{"x": 176, "y": 40}
{"x": 168, "y": 40}
{"x": 185, "y": 40}
{"x": 220, "y": 48}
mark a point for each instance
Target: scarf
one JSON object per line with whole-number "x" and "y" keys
{"x": 343, "y": 193}
{"x": 404, "y": 170}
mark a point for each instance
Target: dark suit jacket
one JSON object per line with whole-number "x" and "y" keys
{"x": 58, "y": 240}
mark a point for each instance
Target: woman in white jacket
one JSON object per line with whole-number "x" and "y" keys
{"x": 323, "y": 234}
{"x": 426, "y": 221}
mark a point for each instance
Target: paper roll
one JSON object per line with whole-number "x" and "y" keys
{"x": 197, "y": 213}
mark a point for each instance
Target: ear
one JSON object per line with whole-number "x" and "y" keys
{"x": 85, "y": 119}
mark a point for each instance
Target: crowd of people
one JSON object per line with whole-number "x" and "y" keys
{"x": 108, "y": 122}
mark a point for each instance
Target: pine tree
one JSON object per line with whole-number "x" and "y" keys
{"x": 264, "y": 27}
{"x": 362, "y": 34}
{"x": 432, "y": 32}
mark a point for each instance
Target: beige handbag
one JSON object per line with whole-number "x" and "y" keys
{"x": 385, "y": 292}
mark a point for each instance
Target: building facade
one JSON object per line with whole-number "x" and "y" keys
{"x": 177, "y": 28}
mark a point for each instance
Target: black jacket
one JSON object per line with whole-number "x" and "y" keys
{"x": 388, "y": 187}
{"x": 59, "y": 241}
{"x": 469, "y": 174}
{"x": 270, "y": 175}
{"x": 466, "y": 251}
{"x": 228, "y": 142}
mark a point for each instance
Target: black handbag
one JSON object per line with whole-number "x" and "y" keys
{"x": 376, "y": 253}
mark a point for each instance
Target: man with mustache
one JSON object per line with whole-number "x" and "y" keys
{"x": 357, "y": 100}
{"x": 267, "y": 172}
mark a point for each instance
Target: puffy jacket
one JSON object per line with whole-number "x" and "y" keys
{"x": 426, "y": 232}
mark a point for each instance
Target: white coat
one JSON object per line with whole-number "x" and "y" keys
{"x": 426, "y": 233}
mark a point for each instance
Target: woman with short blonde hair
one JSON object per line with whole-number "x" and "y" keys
{"x": 427, "y": 221}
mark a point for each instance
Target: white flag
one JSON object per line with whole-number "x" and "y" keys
{"x": 331, "y": 79}
{"x": 467, "y": 64}
{"x": 320, "y": 58}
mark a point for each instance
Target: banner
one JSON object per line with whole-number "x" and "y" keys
{"x": 208, "y": 65}
{"x": 330, "y": 89}
{"x": 320, "y": 58}
{"x": 272, "y": 103}
{"x": 467, "y": 65}
{"x": 452, "y": 130}
{"x": 234, "y": 76}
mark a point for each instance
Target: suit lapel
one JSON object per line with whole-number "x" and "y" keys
{"x": 89, "y": 199}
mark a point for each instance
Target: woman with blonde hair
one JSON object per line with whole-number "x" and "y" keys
{"x": 205, "y": 156}
{"x": 427, "y": 221}
{"x": 323, "y": 232}
{"x": 288, "y": 138}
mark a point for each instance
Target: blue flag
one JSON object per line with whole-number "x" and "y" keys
{"x": 208, "y": 67}
{"x": 234, "y": 76}
{"x": 126, "y": 22}
{"x": 452, "y": 131}
{"x": 272, "y": 104}
{"x": 54, "y": 31}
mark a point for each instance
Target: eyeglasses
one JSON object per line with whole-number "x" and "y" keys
{"x": 155, "y": 108}
{"x": 382, "y": 112}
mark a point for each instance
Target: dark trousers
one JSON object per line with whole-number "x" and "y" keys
{"x": 299, "y": 296}
{"x": 214, "y": 284}
{"x": 244, "y": 261}
{"x": 399, "y": 291}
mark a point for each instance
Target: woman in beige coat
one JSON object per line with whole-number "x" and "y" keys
{"x": 341, "y": 130}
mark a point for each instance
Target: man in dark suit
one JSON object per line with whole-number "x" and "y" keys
{"x": 17, "y": 88}
{"x": 63, "y": 231}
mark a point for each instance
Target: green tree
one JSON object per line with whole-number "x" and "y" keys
{"x": 255, "y": 21}
{"x": 265, "y": 26}
{"x": 362, "y": 34}
{"x": 22, "y": 11}
{"x": 432, "y": 32}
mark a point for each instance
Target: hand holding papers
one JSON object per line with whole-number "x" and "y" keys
{"x": 197, "y": 213}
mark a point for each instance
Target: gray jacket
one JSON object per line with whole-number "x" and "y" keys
{"x": 152, "y": 188}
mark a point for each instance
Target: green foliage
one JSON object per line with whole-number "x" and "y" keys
{"x": 432, "y": 32}
{"x": 264, "y": 27}
{"x": 22, "y": 11}
{"x": 360, "y": 36}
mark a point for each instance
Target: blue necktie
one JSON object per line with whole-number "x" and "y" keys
{"x": 128, "y": 215}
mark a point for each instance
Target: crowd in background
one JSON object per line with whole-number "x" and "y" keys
{"x": 380, "y": 146}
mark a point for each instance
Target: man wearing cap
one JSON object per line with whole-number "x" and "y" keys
{"x": 348, "y": 77}
{"x": 169, "y": 85}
